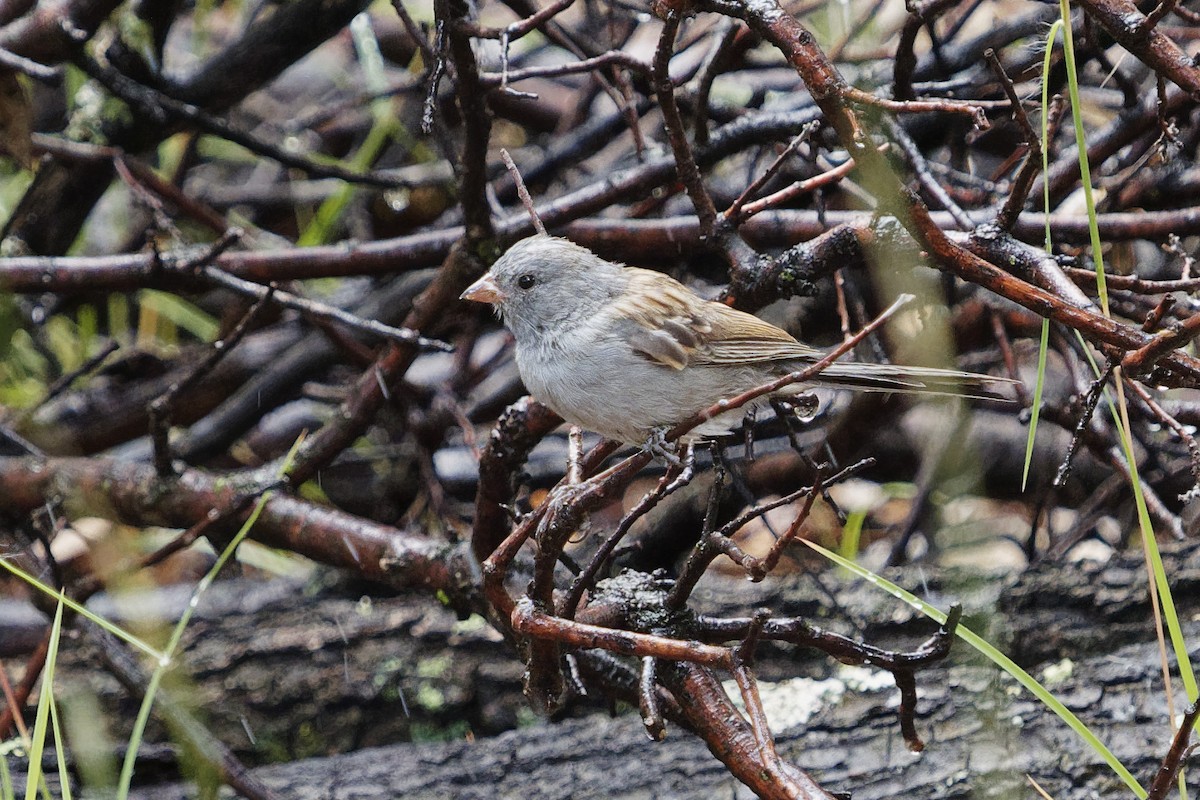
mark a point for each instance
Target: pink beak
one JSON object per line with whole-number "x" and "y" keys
{"x": 484, "y": 290}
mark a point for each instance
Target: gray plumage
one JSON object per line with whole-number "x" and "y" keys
{"x": 623, "y": 351}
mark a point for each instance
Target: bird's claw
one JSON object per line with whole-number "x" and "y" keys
{"x": 658, "y": 446}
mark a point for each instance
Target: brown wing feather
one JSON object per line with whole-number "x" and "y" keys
{"x": 668, "y": 324}
{"x": 672, "y": 326}
{"x": 738, "y": 337}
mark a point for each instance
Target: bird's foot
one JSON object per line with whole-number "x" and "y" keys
{"x": 658, "y": 446}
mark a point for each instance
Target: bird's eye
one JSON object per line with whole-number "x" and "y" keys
{"x": 526, "y": 281}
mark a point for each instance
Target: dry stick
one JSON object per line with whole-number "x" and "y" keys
{"x": 727, "y": 36}
{"x": 1155, "y": 317}
{"x": 1144, "y": 358}
{"x": 1083, "y": 521}
{"x": 162, "y": 407}
{"x": 1168, "y": 133}
{"x": 523, "y": 192}
{"x": 799, "y": 631}
{"x": 527, "y": 620}
{"x": 652, "y": 719}
{"x": 321, "y": 310}
{"x": 1008, "y": 357}
{"x": 162, "y": 221}
{"x": 622, "y": 681}
{"x": 673, "y": 480}
{"x": 521, "y": 27}
{"x": 972, "y": 108}
{"x": 903, "y": 667}
{"x": 164, "y": 108}
{"x": 734, "y": 212}
{"x": 776, "y": 552}
{"x": 1085, "y": 417}
{"x": 13, "y": 708}
{"x": 144, "y": 180}
{"x": 1159, "y": 513}
{"x": 905, "y": 61}
{"x": 708, "y": 711}
{"x": 476, "y": 122}
{"x": 66, "y": 379}
{"x": 906, "y": 682}
{"x": 741, "y": 662}
{"x": 1163, "y": 8}
{"x": 1186, "y": 14}
{"x": 610, "y": 58}
{"x": 920, "y": 167}
{"x": 1173, "y": 761}
{"x": 685, "y": 161}
{"x": 628, "y": 107}
{"x": 1175, "y": 425}
{"x": 495, "y": 566}
{"x": 1132, "y": 283}
{"x": 1006, "y": 217}
{"x": 29, "y": 678}
{"x": 716, "y": 543}
{"x": 1125, "y": 23}
{"x": 428, "y": 54}
{"x": 51, "y": 76}
{"x": 542, "y": 520}
{"x": 799, "y": 188}
{"x": 230, "y": 514}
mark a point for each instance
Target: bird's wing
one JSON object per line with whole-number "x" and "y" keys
{"x": 667, "y": 324}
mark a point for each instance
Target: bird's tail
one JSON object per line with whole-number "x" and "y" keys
{"x": 869, "y": 377}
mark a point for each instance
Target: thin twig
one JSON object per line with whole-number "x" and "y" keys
{"x": 523, "y": 192}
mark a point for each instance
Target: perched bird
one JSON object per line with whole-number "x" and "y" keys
{"x": 629, "y": 353}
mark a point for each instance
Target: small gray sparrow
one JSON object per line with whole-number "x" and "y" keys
{"x": 629, "y": 352}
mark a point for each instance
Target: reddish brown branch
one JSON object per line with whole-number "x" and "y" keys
{"x": 134, "y": 494}
{"x": 1138, "y": 34}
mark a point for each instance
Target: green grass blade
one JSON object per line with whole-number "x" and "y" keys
{"x": 181, "y": 313}
{"x": 60, "y": 752}
{"x": 993, "y": 654}
{"x": 37, "y": 744}
{"x": 1170, "y": 615}
{"x": 1121, "y": 412}
{"x": 78, "y": 608}
{"x": 1036, "y": 411}
{"x": 383, "y": 129}
{"x": 852, "y": 534}
{"x": 1044, "y": 344}
{"x": 6, "y": 785}
{"x": 160, "y": 671}
{"x": 1085, "y": 171}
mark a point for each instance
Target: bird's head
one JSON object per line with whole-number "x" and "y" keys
{"x": 544, "y": 284}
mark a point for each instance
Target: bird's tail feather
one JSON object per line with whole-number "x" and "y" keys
{"x": 868, "y": 377}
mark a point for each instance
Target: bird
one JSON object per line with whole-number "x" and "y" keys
{"x": 628, "y": 353}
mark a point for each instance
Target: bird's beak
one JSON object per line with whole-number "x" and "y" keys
{"x": 483, "y": 290}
